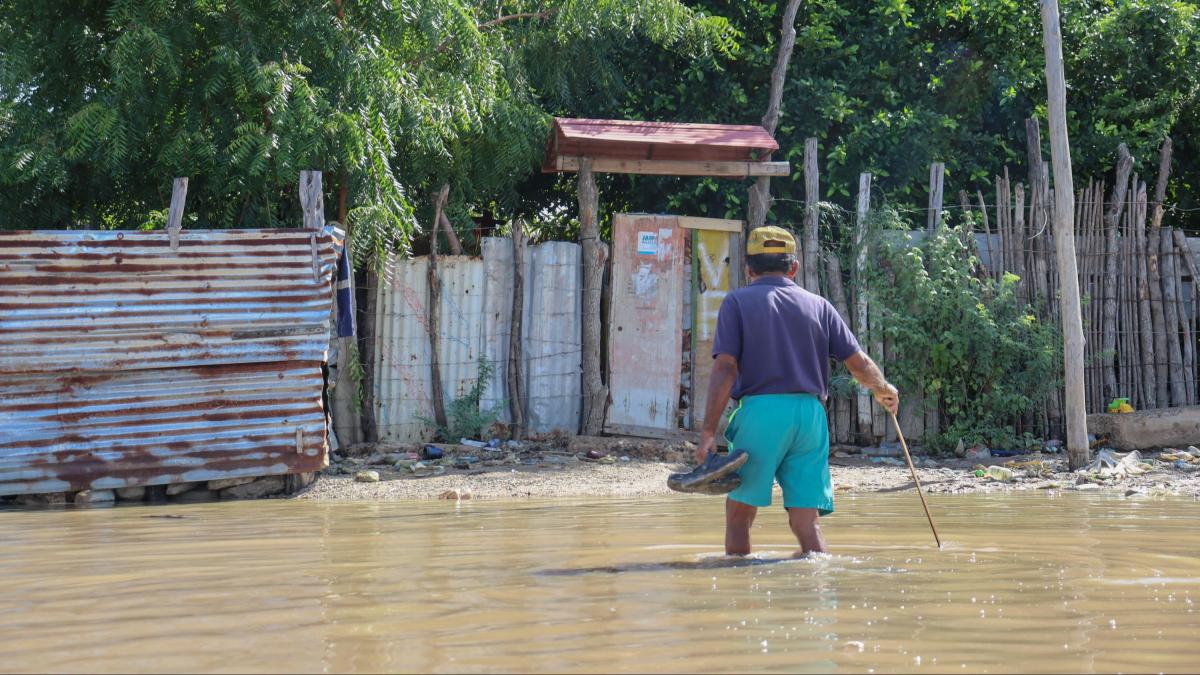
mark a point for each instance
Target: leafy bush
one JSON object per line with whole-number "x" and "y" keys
{"x": 967, "y": 343}
{"x": 464, "y": 416}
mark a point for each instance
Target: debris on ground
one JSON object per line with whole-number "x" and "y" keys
{"x": 561, "y": 466}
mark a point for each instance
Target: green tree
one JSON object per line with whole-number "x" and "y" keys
{"x": 101, "y": 103}
{"x": 889, "y": 86}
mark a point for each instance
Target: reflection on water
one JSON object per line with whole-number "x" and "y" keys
{"x": 1025, "y": 583}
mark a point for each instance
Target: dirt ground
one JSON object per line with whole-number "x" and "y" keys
{"x": 637, "y": 468}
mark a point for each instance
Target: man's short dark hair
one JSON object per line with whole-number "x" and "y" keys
{"x": 770, "y": 263}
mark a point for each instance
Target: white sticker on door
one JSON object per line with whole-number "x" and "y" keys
{"x": 647, "y": 243}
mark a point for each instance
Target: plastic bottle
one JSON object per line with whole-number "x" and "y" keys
{"x": 999, "y": 473}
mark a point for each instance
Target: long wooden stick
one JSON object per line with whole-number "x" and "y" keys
{"x": 913, "y": 469}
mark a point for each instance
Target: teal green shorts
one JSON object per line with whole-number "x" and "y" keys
{"x": 787, "y": 437}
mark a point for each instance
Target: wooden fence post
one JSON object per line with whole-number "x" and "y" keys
{"x": 860, "y": 291}
{"x": 175, "y": 214}
{"x": 516, "y": 352}
{"x": 1078, "y": 450}
{"x": 937, "y": 174}
{"x": 595, "y": 394}
{"x": 312, "y": 200}
{"x": 435, "y": 313}
{"x": 812, "y": 217}
{"x": 1112, "y": 217}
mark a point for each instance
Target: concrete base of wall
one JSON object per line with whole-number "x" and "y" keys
{"x": 1145, "y": 429}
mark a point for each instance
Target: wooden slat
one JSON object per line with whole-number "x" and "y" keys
{"x": 657, "y": 167}
{"x": 721, "y": 224}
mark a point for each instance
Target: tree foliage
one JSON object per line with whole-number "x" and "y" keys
{"x": 889, "y": 86}
{"x": 967, "y": 344}
{"x": 102, "y": 103}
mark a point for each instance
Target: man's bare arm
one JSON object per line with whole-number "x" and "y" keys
{"x": 720, "y": 386}
{"x": 870, "y": 376}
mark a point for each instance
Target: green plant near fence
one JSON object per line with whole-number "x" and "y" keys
{"x": 465, "y": 418}
{"x": 963, "y": 341}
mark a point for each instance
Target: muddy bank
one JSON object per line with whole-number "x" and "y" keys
{"x": 631, "y": 468}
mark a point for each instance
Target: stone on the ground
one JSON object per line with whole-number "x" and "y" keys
{"x": 179, "y": 488}
{"x": 46, "y": 499}
{"x": 95, "y": 497}
{"x": 263, "y": 487}
{"x": 367, "y": 476}
{"x": 1145, "y": 429}
{"x": 197, "y": 495}
{"x": 222, "y": 483}
{"x": 457, "y": 494}
{"x": 131, "y": 494}
{"x": 884, "y": 450}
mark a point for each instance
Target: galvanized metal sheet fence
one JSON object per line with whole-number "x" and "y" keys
{"x": 127, "y": 362}
{"x": 476, "y": 322}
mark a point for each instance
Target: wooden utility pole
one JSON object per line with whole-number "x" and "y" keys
{"x": 595, "y": 394}
{"x": 760, "y": 192}
{"x": 1078, "y": 451}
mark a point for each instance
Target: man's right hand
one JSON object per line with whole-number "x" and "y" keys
{"x": 888, "y": 397}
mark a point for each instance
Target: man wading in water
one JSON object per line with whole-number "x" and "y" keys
{"x": 772, "y": 349}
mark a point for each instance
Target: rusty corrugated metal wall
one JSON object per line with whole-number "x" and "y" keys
{"x": 476, "y": 318}
{"x": 126, "y": 363}
{"x": 403, "y": 389}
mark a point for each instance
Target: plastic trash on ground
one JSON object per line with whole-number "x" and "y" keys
{"x": 999, "y": 473}
{"x": 1111, "y": 464}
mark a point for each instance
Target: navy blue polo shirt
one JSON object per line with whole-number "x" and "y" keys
{"x": 782, "y": 337}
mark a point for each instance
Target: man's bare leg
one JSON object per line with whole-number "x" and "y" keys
{"x": 806, "y": 525}
{"x": 739, "y": 518}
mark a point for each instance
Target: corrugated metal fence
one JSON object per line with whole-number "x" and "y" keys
{"x": 126, "y": 362}
{"x": 476, "y": 321}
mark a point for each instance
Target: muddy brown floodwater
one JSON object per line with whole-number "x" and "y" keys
{"x": 1026, "y": 582}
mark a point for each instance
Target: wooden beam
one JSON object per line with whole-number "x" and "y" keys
{"x": 669, "y": 167}
{"x": 595, "y": 393}
{"x": 720, "y": 224}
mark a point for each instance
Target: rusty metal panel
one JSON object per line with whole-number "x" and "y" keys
{"x": 127, "y": 362}
{"x": 160, "y": 426}
{"x": 647, "y": 321}
{"x": 553, "y": 338}
{"x": 96, "y": 301}
{"x": 403, "y": 378}
{"x": 551, "y": 332}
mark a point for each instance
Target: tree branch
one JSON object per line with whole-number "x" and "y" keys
{"x": 488, "y": 25}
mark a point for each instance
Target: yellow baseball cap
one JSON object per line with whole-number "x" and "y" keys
{"x": 770, "y": 239}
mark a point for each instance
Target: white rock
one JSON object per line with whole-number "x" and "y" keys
{"x": 222, "y": 483}
{"x": 262, "y": 487}
{"x": 131, "y": 494}
{"x": 367, "y": 476}
{"x": 179, "y": 488}
{"x": 95, "y": 497}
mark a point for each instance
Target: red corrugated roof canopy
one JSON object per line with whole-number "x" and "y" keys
{"x": 640, "y": 140}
